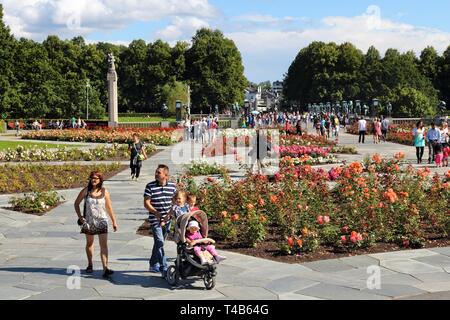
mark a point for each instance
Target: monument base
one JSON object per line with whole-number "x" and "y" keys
{"x": 113, "y": 124}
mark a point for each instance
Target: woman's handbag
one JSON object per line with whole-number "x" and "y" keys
{"x": 84, "y": 209}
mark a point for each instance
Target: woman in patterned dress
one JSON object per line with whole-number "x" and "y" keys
{"x": 95, "y": 221}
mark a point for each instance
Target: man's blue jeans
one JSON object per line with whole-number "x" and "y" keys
{"x": 158, "y": 259}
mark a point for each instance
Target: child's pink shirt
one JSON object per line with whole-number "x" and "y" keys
{"x": 194, "y": 236}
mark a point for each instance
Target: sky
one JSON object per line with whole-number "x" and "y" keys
{"x": 268, "y": 33}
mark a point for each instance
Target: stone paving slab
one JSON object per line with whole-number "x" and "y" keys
{"x": 409, "y": 266}
{"x": 13, "y": 293}
{"x": 65, "y": 294}
{"x": 360, "y": 261}
{"x": 397, "y": 255}
{"x": 396, "y": 290}
{"x": 327, "y": 291}
{"x": 437, "y": 261}
{"x": 248, "y": 293}
{"x": 433, "y": 277}
{"x": 328, "y": 266}
{"x": 435, "y": 286}
{"x": 289, "y": 284}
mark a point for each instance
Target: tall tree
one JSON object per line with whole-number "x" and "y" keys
{"x": 214, "y": 70}
{"x": 8, "y": 93}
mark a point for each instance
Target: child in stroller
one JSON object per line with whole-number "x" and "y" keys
{"x": 187, "y": 263}
{"x": 200, "y": 244}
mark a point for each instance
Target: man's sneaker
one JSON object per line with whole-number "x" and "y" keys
{"x": 219, "y": 258}
{"x": 137, "y": 179}
{"x": 107, "y": 273}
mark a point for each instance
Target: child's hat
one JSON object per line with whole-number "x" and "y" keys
{"x": 193, "y": 223}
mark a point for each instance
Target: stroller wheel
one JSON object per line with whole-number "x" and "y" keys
{"x": 172, "y": 276}
{"x": 210, "y": 280}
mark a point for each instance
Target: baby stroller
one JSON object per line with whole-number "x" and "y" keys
{"x": 187, "y": 264}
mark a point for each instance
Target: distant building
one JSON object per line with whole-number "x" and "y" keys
{"x": 263, "y": 100}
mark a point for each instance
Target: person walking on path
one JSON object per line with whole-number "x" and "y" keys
{"x": 419, "y": 140}
{"x": 94, "y": 221}
{"x": 384, "y": 128}
{"x": 137, "y": 155}
{"x": 362, "y": 126}
{"x": 376, "y": 131}
{"x": 17, "y": 125}
{"x": 158, "y": 197}
{"x": 433, "y": 138}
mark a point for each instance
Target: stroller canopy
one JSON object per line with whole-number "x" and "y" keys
{"x": 182, "y": 222}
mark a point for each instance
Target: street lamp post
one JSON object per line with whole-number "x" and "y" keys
{"x": 87, "y": 98}
{"x": 389, "y": 109}
{"x": 375, "y": 104}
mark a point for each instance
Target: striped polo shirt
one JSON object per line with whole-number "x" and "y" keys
{"x": 160, "y": 198}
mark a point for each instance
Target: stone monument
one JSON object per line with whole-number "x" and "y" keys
{"x": 113, "y": 109}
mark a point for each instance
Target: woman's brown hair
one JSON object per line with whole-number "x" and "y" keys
{"x": 100, "y": 177}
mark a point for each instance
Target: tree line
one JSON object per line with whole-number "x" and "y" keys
{"x": 49, "y": 79}
{"x": 327, "y": 72}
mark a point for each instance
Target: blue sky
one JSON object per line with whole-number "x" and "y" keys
{"x": 268, "y": 33}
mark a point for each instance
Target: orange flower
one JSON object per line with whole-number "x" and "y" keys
{"x": 404, "y": 194}
{"x": 356, "y": 167}
{"x": 263, "y": 219}
{"x": 273, "y": 199}
{"x": 300, "y": 242}
{"x": 290, "y": 242}
{"x": 399, "y": 156}
{"x": 305, "y": 231}
{"x": 224, "y": 214}
{"x": 250, "y": 206}
{"x": 377, "y": 158}
{"x": 391, "y": 195}
{"x": 235, "y": 217}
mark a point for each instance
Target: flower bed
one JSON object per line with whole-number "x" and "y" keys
{"x": 29, "y": 178}
{"x": 160, "y": 136}
{"x": 378, "y": 202}
{"x": 36, "y": 203}
{"x": 398, "y": 133}
{"x": 203, "y": 168}
{"x": 112, "y": 153}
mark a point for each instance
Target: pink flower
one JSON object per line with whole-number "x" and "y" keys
{"x": 343, "y": 239}
{"x": 320, "y": 219}
{"x": 353, "y": 239}
{"x": 326, "y": 219}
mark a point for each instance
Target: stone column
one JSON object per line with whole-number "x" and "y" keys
{"x": 113, "y": 109}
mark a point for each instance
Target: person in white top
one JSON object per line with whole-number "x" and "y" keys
{"x": 362, "y": 126}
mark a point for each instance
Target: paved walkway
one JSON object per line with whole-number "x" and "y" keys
{"x": 35, "y": 253}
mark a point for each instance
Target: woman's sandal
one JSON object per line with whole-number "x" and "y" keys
{"x": 107, "y": 273}
{"x": 89, "y": 269}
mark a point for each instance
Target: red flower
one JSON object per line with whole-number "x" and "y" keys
{"x": 290, "y": 242}
{"x": 261, "y": 202}
{"x": 406, "y": 243}
{"x": 345, "y": 229}
{"x": 344, "y": 239}
{"x": 235, "y": 217}
{"x": 320, "y": 220}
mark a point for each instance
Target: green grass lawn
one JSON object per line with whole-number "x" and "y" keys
{"x": 13, "y": 144}
{"x": 142, "y": 119}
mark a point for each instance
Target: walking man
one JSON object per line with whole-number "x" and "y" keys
{"x": 158, "y": 201}
{"x": 384, "y": 128}
{"x": 433, "y": 138}
{"x": 362, "y": 125}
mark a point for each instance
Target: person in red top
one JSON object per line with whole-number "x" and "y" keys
{"x": 446, "y": 155}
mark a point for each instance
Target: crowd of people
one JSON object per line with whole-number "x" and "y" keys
{"x": 164, "y": 204}
{"x": 438, "y": 140}
{"x": 200, "y": 130}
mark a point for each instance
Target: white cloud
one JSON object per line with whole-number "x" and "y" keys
{"x": 267, "y": 54}
{"x": 38, "y": 18}
{"x": 181, "y": 28}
